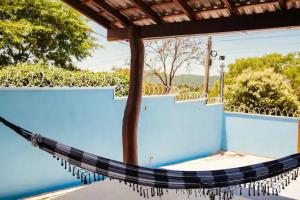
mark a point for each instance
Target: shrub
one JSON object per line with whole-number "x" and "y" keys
{"x": 40, "y": 75}
{"x": 265, "y": 89}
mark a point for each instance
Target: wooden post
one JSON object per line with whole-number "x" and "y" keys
{"x": 132, "y": 110}
{"x": 207, "y": 65}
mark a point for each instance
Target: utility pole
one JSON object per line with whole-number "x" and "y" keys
{"x": 222, "y": 66}
{"x": 207, "y": 64}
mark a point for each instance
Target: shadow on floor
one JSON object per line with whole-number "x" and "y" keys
{"x": 261, "y": 197}
{"x": 113, "y": 190}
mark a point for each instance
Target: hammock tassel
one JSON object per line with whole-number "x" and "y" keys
{"x": 65, "y": 164}
{"x": 70, "y": 168}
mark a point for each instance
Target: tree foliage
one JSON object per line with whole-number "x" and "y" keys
{"x": 286, "y": 65}
{"x": 42, "y": 31}
{"x": 275, "y": 61}
{"x": 266, "y": 89}
{"x": 165, "y": 57}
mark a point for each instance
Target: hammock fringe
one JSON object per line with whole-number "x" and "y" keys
{"x": 267, "y": 187}
{"x": 85, "y": 176}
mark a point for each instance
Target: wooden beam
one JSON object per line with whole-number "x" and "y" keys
{"x": 231, "y": 7}
{"x": 241, "y": 23}
{"x": 186, "y": 9}
{"x": 90, "y": 13}
{"x": 148, "y": 11}
{"x": 133, "y": 105}
{"x": 282, "y": 4}
{"x": 113, "y": 12}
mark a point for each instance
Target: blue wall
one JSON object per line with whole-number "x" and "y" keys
{"x": 90, "y": 119}
{"x": 270, "y": 136}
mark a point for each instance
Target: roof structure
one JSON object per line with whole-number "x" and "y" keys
{"x": 137, "y": 20}
{"x": 166, "y": 18}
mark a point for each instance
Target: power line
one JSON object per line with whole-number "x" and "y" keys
{"x": 123, "y": 57}
{"x": 222, "y": 40}
{"x": 226, "y": 40}
{"x": 257, "y": 38}
{"x": 259, "y": 47}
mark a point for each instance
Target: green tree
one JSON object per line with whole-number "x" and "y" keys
{"x": 274, "y": 61}
{"x": 292, "y": 73}
{"x": 287, "y": 65}
{"x": 42, "y": 31}
{"x": 265, "y": 88}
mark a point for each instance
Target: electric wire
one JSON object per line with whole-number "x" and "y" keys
{"x": 217, "y": 41}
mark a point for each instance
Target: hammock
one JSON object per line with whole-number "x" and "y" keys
{"x": 267, "y": 178}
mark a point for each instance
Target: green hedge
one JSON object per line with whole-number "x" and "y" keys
{"x": 39, "y": 75}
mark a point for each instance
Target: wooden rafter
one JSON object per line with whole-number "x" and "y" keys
{"x": 113, "y": 12}
{"x": 279, "y": 19}
{"x": 166, "y": 18}
{"x": 186, "y": 9}
{"x": 148, "y": 11}
{"x": 231, "y": 7}
{"x": 282, "y": 4}
{"x": 90, "y": 13}
{"x": 199, "y": 12}
{"x": 155, "y": 5}
{"x": 105, "y": 14}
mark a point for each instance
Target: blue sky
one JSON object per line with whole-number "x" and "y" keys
{"x": 233, "y": 46}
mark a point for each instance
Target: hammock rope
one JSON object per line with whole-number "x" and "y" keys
{"x": 268, "y": 178}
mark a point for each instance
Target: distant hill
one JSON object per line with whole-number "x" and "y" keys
{"x": 185, "y": 79}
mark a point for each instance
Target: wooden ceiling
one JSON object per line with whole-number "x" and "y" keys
{"x": 167, "y": 18}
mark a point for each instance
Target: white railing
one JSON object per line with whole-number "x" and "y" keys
{"x": 149, "y": 90}
{"x": 214, "y": 100}
{"x": 263, "y": 111}
{"x": 186, "y": 96}
{"x": 179, "y": 93}
{"x": 18, "y": 78}
{"x": 56, "y": 78}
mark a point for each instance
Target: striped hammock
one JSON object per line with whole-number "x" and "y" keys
{"x": 267, "y": 178}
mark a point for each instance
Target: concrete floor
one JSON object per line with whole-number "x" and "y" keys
{"x": 113, "y": 190}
